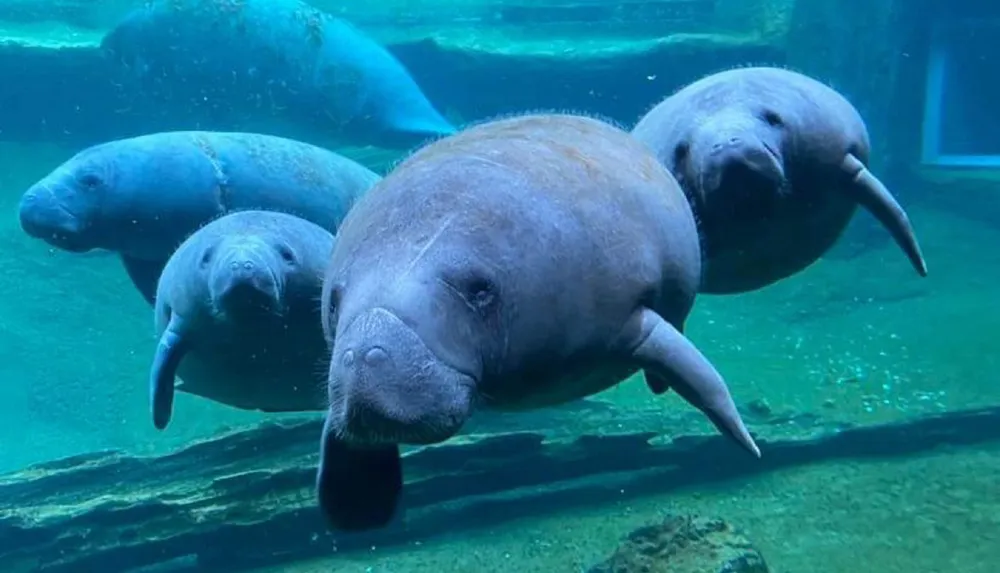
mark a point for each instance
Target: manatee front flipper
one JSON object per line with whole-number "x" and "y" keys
{"x": 169, "y": 353}
{"x": 358, "y": 489}
{"x": 145, "y": 275}
{"x": 869, "y": 192}
{"x": 669, "y": 359}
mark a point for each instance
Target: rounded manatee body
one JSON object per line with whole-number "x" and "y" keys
{"x": 275, "y": 56}
{"x": 140, "y": 197}
{"x": 519, "y": 264}
{"x": 774, "y": 164}
{"x": 238, "y": 316}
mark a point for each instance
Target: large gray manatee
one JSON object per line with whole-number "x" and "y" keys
{"x": 281, "y": 57}
{"x": 140, "y": 197}
{"x": 238, "y": 316}
{"x": 518, "y": 264}
{"x": 775, "y": 164}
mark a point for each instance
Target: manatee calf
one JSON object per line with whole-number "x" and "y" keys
{"x": 238, "y": 315}
{"x": 283, "y": 57}
{"x": 519, "y": 264}
{"x": 140, "y": 197}
{"x": 774, "y": 164}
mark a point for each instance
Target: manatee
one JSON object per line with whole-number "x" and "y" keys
{"x": 238, "y": 316}
{"x": 522, "y": 263}
{"x": 282, "y": 57}
{"x": 140, "y": 197}
{"x": 775, "y": 164}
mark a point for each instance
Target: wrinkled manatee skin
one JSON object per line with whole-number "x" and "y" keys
{"x": 275, "y": 57}
{"x": 141, "y": 197}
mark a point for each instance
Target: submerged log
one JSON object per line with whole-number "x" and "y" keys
{"x": 246, "y": 499}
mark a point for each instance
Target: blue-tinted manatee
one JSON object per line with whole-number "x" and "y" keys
{"x": 276, "y": 55}
{"x": 140, "y": 197}
{"x": 518, "y": 264}
{"x": 774, "y": 163}
{"x": 238, "y": 315}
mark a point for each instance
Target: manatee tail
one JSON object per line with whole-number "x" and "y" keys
{"x": 670, "y": 360}
{"x": 169, "y": 352}
{"x": 871, "y": 194}
{"x": 358, "y": 489}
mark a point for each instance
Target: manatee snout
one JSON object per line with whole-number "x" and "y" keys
{"x": 386, "y": 386}
{"x": 744, "y": 161}
{"x": 244, "y": 280}
{"x": 44, "y": 216}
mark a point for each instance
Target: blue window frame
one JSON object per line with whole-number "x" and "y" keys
{"x": 961, "y": 124}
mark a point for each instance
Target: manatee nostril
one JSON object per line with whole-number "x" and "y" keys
{"x": 240, "y": 266}
{"x": 732, "y": 141}
{"x": 376, "y": 356}
{"x": 348, "y": 359}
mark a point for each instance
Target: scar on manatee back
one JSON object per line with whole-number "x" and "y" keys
{"x": 221, "y": 187}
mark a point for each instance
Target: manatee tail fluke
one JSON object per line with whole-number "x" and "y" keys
{"x": 871, "y": 194}
{"x": 358, "y": 489}
{"x": 169, "y": 353}
{"x": 671, "y": 360}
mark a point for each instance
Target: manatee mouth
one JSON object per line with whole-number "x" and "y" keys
{"x": 66, "y": 242}
{"x": 249, "y": 297}
{"x": 387, "y": 387}
{"x": 368, "y": 427}
{"x": 43, "y": 217}
{"x": 774, "y": 169}
{"x": 745, "y": 176}
{"x": 363, "y": 428}
{"x": 757, "y": 162}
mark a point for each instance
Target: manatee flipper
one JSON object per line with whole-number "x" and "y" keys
{"x": 871, "y": 194}
{"x": 162, "y": 374}
{"x": 358, "y": 489}
{"x": 145, "y": 275}
{"x": 670, "y": 360}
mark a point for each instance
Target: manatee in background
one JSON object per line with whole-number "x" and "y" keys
{"x": 519, "y": 264}
{"x": 140, "y": 197}
{"x": 237, "y": 312}
{"x": 774, "y": 164}
{"x": 277, "y": 55}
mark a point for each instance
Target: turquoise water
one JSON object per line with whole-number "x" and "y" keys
{"x": 856, "y": 345}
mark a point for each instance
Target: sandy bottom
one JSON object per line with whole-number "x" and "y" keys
{"x": 936, "y": 513}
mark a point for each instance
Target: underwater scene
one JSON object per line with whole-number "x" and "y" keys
{"x": 476, "y": 286}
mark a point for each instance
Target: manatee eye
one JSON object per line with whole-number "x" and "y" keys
{"x": 332, "y": 306}
{"x": 90, "y": 181}
{"x": 480, "y": 292}
{"x": 772, "y": 118}
{"x": 286, "y": 254}
{"x": 206, "y": 257}
{"x": 681, "y": 152}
